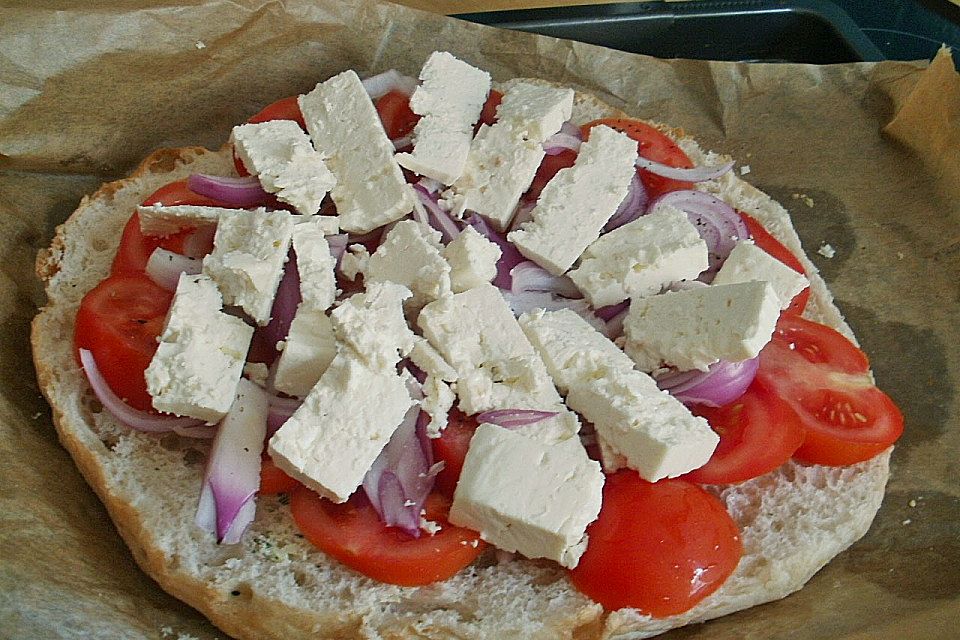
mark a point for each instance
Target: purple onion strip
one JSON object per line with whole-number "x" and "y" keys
{"x": 722, "y": 383}
{"x": 232, "y": 191}
{"x": 512, "y": 418}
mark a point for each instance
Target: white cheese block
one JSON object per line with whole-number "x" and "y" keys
{"x": 372, "y": 325}
{"x": 162, "y": 220}
{"x": 637, "y": 424}
{"x": 332, "y": 439}
{"x": 329, "y": 225}
{"x": 578, "y": 201}
{"x": 308, "y": 350}
{"x": 473, "y": 260}
{"x": 504, "y": 158}
{"x": 640, "y": 258}
{"x": 280, "y": 154}
{"x": 438, "y": 399}
{"x": 693, "y": 328}
{"x": 315, "y": 264}
{"x": 345, "y": 127}
{"x": 496, "y": 365}
{"x": 249, "y": 250}
{"x": 198, "y": 363}
{"x": 527, "y": 496}
{"x": 410, "y": 255}
{"x": 450, "y": 98}
{"x": 749, "y": 262}
{"x": 429, "y": 360}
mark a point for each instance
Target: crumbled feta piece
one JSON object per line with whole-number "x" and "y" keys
{"x": 198, "y": 363}
{"x": 249, "y": 250}
{"x": 354, "y": 261}
{"x": 429, "y": 360}
{"x": 410, "y": 255}
{"x": 527, "y": 496}
{"x": 640, "y": 258}
{"x": 693, "y": 328}
{"x": 308, "y": 350}
{"x": 345, "y": 127}
{"x": 827, "y": 250}
{"x": 163, "y": 220}
{"x": 473, "y": 260}
{"x": 749, "y": 262}
{"x": 450, "y": 98}
{"x": 438, "y": 399}
{"x": 332, "y": 439}
{"x": 373, "y": 326}
{"x": 257, "y": 373}
{"x": 328, "y": 225}
{"x": 578, "y": 201}
{"x": 315, "y": 264}
{"x": 279, "y": 153}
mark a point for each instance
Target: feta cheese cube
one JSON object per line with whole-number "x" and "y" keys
{"x": 410, "y": 255}
{"x": 450, "y": 98}
{"x": 640, "y": 258}
{"x": 504, "y": 158}
{"x": 578, "y": 201}
{"x": 162, "y": 220}
{"x": 638, "y": 425}
{"x": 198, "y": 363}
{"x": 345, "y": 127}
{"x": 438, "y": 399}
{"x": 749, "y": 262}
{"x": 473, "y": 260}
{"x": 249, "y": 250}
{"x": 527, "y": 496}
{"x": 372, "y": 325}
{"x": 279, "y": 153}
{"x": 315, "y": 264}
{"x": 308, "y": 350}
{"x": 332, "y": 439}
{"x": 693, "y": 328}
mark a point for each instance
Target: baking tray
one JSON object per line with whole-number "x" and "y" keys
{"x": 805, "y": 31}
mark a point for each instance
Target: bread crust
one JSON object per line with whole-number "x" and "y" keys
{"x": 276, "y": 585}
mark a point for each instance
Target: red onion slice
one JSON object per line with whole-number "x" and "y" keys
{"x": 696, "y": 174}
{"x": 568, "y": 138}
{"x": 164, "y": 267}
{"x": 512, "y": 418}
{"x": 137, "y": 420}
{"x": 438, "y": 217}
{"x": 521, "y": 303}
{"x": 528, "y": 276}
{"x": 400, "y": 144}
{"x": 199, "y": 243}
{"x": 722, "y": 383}
{"x": 509, "y": 255}
{"x": 633, "y": 206}
{"x": 391, "y": 80}
{"x": 285, "y": 303}
{"x": 338, "y": 245}
{"x": 716, "y": 222}
{"x": 233, "y": 470}
{"x": 232, "y": 192}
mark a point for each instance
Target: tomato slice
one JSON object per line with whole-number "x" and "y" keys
{"x": 758, "y": 433}
{"x": 765, "y": 240}
{"x": 489, "y": 113}
{"x": 283, "y": 109}
{"x": 549, "y": 168}
{"x": 353, "y": 534}
{"x": 273, "y": 479}
{"x": 119, "y": 321}
{"x": 451, "y": 447}
{"x": 658, "y": 547}
{"x": 654, "y": 145}
{"x": 395, "y": 114}
{"x": 824, "y": 379}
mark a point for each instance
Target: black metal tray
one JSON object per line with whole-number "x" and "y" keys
{"x": 807, "y": 31}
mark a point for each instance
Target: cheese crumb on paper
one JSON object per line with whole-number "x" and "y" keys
{"x": 827, "y": 250}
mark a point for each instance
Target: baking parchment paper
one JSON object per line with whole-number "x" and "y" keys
{"x": 865, "y": 156}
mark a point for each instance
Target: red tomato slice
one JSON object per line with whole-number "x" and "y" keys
{"x": 353, "y": 534}
{"x": 395, "y": 114}
{"x": 775, "y": 248}
{"x": 654, "y": 145}
{"x": 658, "y": 547}
{"x": 451, "y": 447}
{"x": 283, "y": 109}
{"x": 119, "y": 321}
{"x": 758, "y": 433}
{"x": 273, "y": 479}
{"x": 549, "y": 168}
{"x": 489, "y": 113}
{"x": 823, "y": 378}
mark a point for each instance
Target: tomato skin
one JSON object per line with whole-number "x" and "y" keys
{"x": 654, "y": 145}
{"x": 274, "y": 480}
{"x": 353, "y": 534}
{"x": 824, "y": 379}
{"x": 451, "y": 447}
{"x": 765, "y": 240}
{"x": 658, "y": 547}
{"x": 488, "y": 115}
{"x": 549, "y": 168}
{"x": 283, "y": 109}
{"x": 394, "y": 110}
{"x": 758, "y": 433}
{"x": 118, "y": 322}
